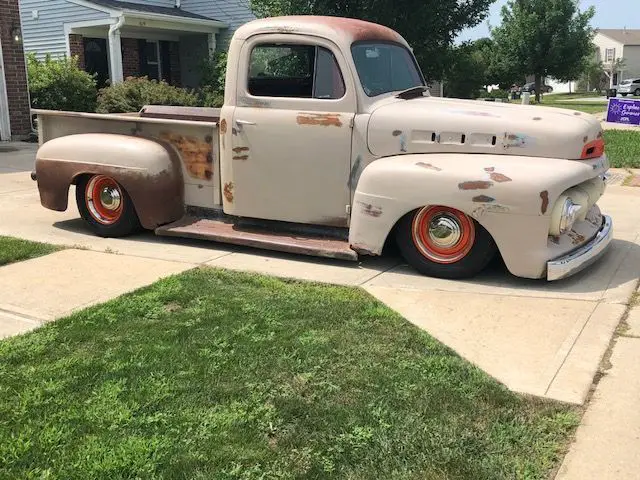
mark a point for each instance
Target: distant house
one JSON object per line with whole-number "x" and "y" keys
{"x": 15, "y": 120}
{"x": 162, "y": 39}
{"x": 613, "y": 45}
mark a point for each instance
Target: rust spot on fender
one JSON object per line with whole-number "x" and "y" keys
{"x": 370, "y": 210}
{"x": 396, "y": 133}
{"x": 499, "y": 177}
{"x": 241, "y": 157}
{"x": 475, "y": 185}
{"x": 544, "y": 196}
{"x": 228, "y": 192}
{"x": 196, "y": 155}
{"x": 428, "y": 166}
{"x": 320, "y": 119}
{"x": 223, "y": 126}
{"x": 490, "y": 169}
{"x": 483, "y": 199}
{"x": 240, "y": 149}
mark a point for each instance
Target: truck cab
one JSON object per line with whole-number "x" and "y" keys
{"x": 329, "y": 144}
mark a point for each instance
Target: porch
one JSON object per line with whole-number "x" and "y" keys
{"x": 136, "y": 44}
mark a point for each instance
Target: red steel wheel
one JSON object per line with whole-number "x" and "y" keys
{"x": 444, "y": 242}
{"x": 443, "y": 234}
{"x": 104, "y": 199}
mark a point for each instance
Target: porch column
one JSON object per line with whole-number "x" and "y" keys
{"x": 115, "y": 52}
{"x": 211, "y": 39}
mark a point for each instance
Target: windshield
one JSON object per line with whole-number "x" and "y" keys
{"x": 385, "y": 67}
{"x": 626, "y": 82}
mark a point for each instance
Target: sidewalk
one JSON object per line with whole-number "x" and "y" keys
{"x": 607, "y": 444}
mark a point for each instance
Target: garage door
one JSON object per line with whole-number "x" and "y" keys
{"x": 5, "y": 126}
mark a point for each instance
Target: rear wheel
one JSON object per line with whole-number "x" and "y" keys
{"x": 637, "y": 92}
{"x": 443, "y": 242}
{"x": 106, "y": 206}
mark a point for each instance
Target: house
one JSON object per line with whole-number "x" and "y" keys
{"x": 14, "y": 95}
{"x": 162, "y": 39}
{"x": 613, "y": 45}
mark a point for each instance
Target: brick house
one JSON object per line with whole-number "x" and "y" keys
{"x": 14, "y": 95}
{"x": 162, "y": 39}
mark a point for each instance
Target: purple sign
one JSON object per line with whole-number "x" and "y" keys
{"x": 624, "y": 111}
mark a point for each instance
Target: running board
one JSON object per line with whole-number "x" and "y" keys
{"x": 227, "y": 232}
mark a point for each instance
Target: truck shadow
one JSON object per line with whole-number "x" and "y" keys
{"x": 619, "y": 266}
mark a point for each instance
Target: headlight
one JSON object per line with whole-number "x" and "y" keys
{"x": 564, "y": 216}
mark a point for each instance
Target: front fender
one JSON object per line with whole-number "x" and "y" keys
{"x": 149, "y": 172}
{"x": 510, "y": 196}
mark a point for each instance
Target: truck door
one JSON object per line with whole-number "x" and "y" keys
{"x": 291, "y": 132}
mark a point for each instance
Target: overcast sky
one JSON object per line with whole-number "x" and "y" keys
{"x": 609, "y": 14}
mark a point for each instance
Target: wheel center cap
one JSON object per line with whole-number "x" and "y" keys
{"x": 444, "y": 231}
{"x": 110, "y": 198}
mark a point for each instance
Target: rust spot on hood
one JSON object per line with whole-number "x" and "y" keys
{"x": 395, "y": 133}
{"x": 428, "y": 166}
{"x": 483, "y": 199}
{"x": 223, "y": 126}
{"x": 499, "y": 177}
{"x": 228, "y": 192}
{"x": 490, "y": 169}
{"x": 320, "y": 119}
{"x": 475, "y": 185}
{"x": 544, "y": 196}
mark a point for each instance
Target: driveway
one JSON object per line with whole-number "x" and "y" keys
{"x": 540, "y": 338}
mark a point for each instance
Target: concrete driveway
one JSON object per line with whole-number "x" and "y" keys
{"x": 540, "y": 338}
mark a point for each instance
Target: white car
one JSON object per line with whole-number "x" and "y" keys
{"x": 630, "y": 87}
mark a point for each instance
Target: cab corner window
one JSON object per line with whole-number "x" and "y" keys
{"x": 299, "y": 71}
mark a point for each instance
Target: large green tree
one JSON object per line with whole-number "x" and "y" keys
{"x": 545, "y": 38}
{"x": 430, "y": 26}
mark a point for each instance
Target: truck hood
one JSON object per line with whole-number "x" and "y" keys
{"x": 437, "y": 125}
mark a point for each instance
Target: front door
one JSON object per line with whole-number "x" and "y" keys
{"x": 289, "y": 157}
{"x": 95, "y": 59}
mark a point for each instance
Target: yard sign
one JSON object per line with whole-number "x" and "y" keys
{"x": 624, "y": 111}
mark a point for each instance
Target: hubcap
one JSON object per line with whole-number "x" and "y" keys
{"x": 443, "y": 234}
{"x": 104, "y": 199}
{"x": 444, "y": 231}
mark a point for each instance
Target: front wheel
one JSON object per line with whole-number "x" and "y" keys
{"x": 106, "y": 206}
{"x": 637, "y": 92}
{"x": 443, "y": 242}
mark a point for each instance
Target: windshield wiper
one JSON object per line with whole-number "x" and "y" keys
{"x": 413, "y": 92}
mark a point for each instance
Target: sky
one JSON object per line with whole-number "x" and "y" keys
{"x": 609, "y": 14}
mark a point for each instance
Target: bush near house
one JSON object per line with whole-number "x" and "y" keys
{"x": 135, "y": 92}
{"x": 60, "y": 84}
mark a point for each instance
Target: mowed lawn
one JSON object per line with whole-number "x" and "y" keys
{"x": 623, "y": 148}
{"x": 16, "y": 250}
{"x": 220, "y": 375}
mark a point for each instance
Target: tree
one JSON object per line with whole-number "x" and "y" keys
{"x": 430, "y": 26}
{"x": 545, "y": 38}
{"x": 470, "y": 68}
{"x": 614, "y": 67}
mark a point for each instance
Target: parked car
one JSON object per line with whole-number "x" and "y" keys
{"x": 329, "y": 144}
{"x": 629, "y": 87}
{"x": 531, "y": 88}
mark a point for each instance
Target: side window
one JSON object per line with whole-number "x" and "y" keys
{"x": 301, "y": 71}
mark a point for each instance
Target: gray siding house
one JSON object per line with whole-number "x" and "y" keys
{"x": 162, "y": 39}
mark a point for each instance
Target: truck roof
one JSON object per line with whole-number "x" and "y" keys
{"x": 338, "y": 29}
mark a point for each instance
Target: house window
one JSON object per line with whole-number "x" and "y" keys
{"x": 609, "y": 55}
{"x": 152, "y": 54}
{"x": 302, "y": 71}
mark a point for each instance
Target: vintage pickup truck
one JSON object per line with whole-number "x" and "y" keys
{"x": 329, "y": 144}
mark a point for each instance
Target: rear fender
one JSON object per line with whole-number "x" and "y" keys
{"x": 148, "y": 170}
{"x": 511, "y": 197}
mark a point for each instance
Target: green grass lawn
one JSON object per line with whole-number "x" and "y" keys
{"x": 623, "y": 148}
{"x": 16, "y": 250}
{"x": 219, "y": 375}
{"x": 581, "y": 107}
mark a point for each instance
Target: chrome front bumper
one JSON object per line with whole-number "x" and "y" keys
{"x": 584, "y": 256}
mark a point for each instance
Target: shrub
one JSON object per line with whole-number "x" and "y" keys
{"x": 60, "y": 84}
{"x": 132, "y": 94}
{"x": 211, "y": 94}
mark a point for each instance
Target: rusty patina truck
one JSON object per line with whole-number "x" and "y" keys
{"x": 329, "y": 144}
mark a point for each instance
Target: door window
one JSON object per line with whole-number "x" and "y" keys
{"x": 301, "y": 71}
{"x": 153, "y": 60}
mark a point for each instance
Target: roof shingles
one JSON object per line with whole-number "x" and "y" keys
{"x": 139, "y": 7}
{"x": 626, "y": 37}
